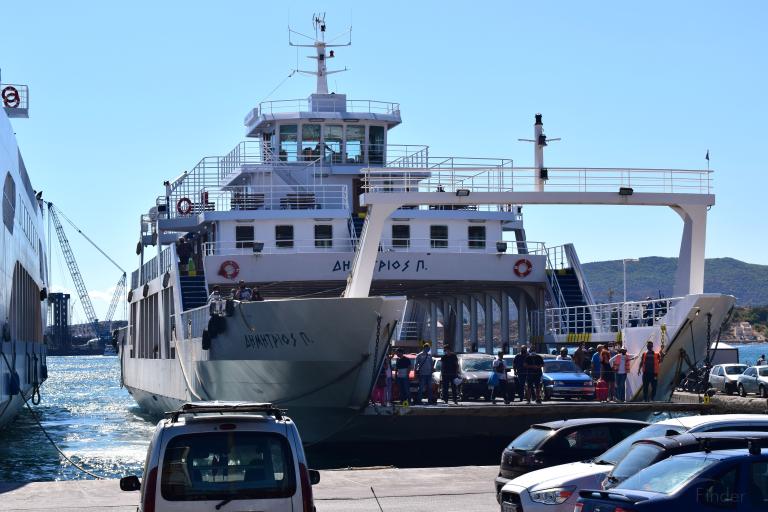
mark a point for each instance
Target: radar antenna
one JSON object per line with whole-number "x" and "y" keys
{"x": 540, "y": 141}
{"x": 320, "y": 44}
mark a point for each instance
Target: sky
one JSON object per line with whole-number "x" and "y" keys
{"x": 124, "y": 95}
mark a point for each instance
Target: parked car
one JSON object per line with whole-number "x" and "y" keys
{"x": 754, "y": 380}
{"x": 413, "y": 382}
{"x": 555, "y": 489}
{"x": 724, "y": 377}
{"x": 701, "y": 481}
{"x": 475, "y": 371}
{"x": 558, "y": 442}
{"x": 207, "y": 454}
{"x": 647, "y": 452}
{"x": 563, "y": 379}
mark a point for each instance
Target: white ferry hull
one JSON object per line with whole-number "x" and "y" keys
{"x": 317, "y": 358}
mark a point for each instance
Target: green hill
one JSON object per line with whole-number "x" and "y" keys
{"x": 746, "y": 281}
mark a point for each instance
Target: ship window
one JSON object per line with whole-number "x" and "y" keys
{"x": 438, "y": 236}
{"x": 310, "y": 142}
{"x": 9, "y": 202}
{"x": 284, "y": 236}
{"x": 323, "y": 235}
{"x": 401, "y": 235}
{"x": 355, "y": 141}
{"x": 332, "y": 148}
{"x": 476, "y": 237}
{"x": 288, "y": 142}
{"x": 243, "y": 237}
{"x": 376, "y": 147}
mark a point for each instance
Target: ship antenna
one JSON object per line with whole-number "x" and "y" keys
{"x": 540, "y": 141}
{"x": 320, "y": 45}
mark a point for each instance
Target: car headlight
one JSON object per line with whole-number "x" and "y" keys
{"x": 559, "y": 383}
{"x": 554, "y": 496}
{"x": 588, "y": 383}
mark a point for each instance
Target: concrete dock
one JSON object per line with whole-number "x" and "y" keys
{"x": 426, "y": 489}
{"x": 725, "y": 404}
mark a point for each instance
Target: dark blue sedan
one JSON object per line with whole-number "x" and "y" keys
{"x": 702, "y": 481}
{"x": 563, "y": 379}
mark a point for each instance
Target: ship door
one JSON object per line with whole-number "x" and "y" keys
{"x": 357, "y": 189}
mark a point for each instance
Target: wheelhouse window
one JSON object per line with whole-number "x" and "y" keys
{"x": 289, "y": 145}
{"x": 401, "y": 235}
{"x": 284, "y": 236}
{"x": 355, "y": 142}
{"x": 310, "y": 142}
{"x": 332, "y": 136}
{"x": 438, "y": 237}
{"x": 243, "y": 237}
{"x": 476, "y": 236}
{"x": 376, "y": 147}
{"x": 323, "y": 235}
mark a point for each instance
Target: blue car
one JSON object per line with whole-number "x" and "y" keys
{"x": 702, "y": 481}
{"x": 563, "y": 379}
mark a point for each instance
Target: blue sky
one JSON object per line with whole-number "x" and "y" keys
{"x": 127, "y": 94}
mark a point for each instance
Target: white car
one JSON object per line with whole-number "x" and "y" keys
{"x": 724, "y": 377}
{"x": 208, "y": 454}
{"x": 556, "y": 489}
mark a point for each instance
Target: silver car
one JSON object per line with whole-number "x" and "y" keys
{"x": 724, "y": 377}
{"x": 754, "y": 380}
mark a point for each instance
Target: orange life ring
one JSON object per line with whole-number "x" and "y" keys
{"x": 523, "y": 267}
{"x": 11, "y": 98}
{"x": 229, "y": 269}
{"x": 184, "y": 206}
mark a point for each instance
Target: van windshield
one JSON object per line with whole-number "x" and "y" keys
{"x": 227, "y": 465}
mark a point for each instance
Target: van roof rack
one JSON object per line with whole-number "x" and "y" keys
{"x": 225, "y": 407}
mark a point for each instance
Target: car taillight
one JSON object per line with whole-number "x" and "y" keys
{"x": 621, "y": 509}
{"x": 577, "y": 507}
{"x": 306, "y": 489}
{"x": 150, "y": 490}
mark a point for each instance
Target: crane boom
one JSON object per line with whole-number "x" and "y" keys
{"x": 119, "y": 290}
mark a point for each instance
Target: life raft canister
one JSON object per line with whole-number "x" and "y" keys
{"x": 523, "y": 267}
{"x": 229, "y": 269}
{"x": 184, "y": 206}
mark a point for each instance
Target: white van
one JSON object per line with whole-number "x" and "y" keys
{"x": 556, "y": 489}
{"x": 208, "y": 455}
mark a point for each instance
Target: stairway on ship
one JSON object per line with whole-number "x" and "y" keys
{"x": 580, "y": 319}
{"x": 193, "y": 291}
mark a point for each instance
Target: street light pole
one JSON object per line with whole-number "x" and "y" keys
{"x": 624, "y": 262}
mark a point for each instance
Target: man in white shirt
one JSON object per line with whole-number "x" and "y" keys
{"x": 620, "y": 365}
{"x": 563, "y": 355}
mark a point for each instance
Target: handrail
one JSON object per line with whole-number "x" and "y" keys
{"x": 330, "y": 105}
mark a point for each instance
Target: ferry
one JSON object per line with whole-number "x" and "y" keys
{"x": 23, "y": 268}
{"x": 358, "y": 244}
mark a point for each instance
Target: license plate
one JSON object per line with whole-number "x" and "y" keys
{"x": 508, "y": 507}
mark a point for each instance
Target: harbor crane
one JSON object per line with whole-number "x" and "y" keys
{"x": 77, "y": 277}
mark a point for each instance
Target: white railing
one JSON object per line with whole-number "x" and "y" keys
{"x": 409, "y": 331}
{"x": 506, "y": 178}
{"x": 345, "y": 245}
{"x": 330, "y": 105}
{"x": 194, "y": 321}
{"x": 604, "y": 318}
{"x": 153, "y": 268}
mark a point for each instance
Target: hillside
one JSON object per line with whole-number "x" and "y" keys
{"x": 748, "y": 282}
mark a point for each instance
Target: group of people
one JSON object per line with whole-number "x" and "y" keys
{"x": 242, "y": 293}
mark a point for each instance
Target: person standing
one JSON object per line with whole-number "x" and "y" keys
{"x": 423, "y": 370}
{"x": 534, "y": 366}
{"x": 761, "y": 361}
{"x": 183, "y": 251}
{"x": 449, "y": 370}
{"x": 620, "y": 365}
{"x": 257, "y": 295}
{"x": 578, "y": 356}
{"x": 387, "y": 380}
{"x": 500, "y": 369}
{"x": 243, "y": 293}
{"x": 518, "y": 363}
{"x": 649, "y": 367}
{"x": 606, "y": 373}
{"x": 402, "y": 371}
{"x": 563, "y": 355}
{"x": 596, "y": 362}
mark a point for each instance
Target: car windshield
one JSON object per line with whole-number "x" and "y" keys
{"x": 667, "y": 476}
{"x": 763, "y": 372}
{"x": 477, "y": 364}
{"x": 736, "y": 370}
{"x": 227, "y": 465}
{"x": 531, "y": 438}
{"x": 560, "y": 367}
{"x": 617, "y": 452}
{"x": 640, "y": 456}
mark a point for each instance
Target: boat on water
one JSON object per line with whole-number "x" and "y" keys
{"x": 357, "y": 245}
{"x": 23, "y": 268}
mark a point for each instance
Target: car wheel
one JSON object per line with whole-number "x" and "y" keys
{"x": 742, "y": 392}
{"x": 728, "y": 389}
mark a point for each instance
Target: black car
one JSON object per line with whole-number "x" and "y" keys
{"x": 559, "y": 442}
{"x": 647, "y": 452}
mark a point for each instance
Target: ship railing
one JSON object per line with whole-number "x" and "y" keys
{"x": 253, "y": 198}
{"x": 330, "y": 105}
{"x": 604, "y": 318}
{"x": 347, "y": 245}
{"x": 153, "y": 268}
{"x": 408, "y": 331}
{"x": 450, "y": 177}
{"x": 194, "y": 321}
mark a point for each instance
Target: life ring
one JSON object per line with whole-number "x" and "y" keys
{"x": 11, "y": 98}
{"x": 229, "y": 269}
{"x": 523, "y": 267}
{"x": 184, "y": 206}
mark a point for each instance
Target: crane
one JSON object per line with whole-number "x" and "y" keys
{"x": 77, "y": 277}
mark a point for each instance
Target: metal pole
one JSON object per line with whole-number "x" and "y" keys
{"x": 624, "y": 262}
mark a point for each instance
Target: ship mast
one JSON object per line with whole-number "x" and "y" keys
{"x": 320, "y": 45}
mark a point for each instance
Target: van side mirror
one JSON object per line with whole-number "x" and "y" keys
{"x": 130, "y": 483}
{"x": 314, "y": 476}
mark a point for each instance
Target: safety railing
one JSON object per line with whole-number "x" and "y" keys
{"x": 409, "y": 331}
{"x": 194, "y": 321}
{"x": 154, "y": 267}
{"x": 451, "y": 177}
{"x": 328, "y": 105}
{"x": 557, "y": 257}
